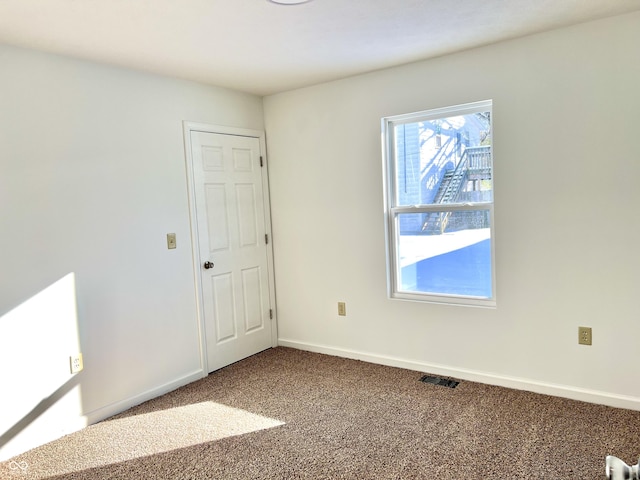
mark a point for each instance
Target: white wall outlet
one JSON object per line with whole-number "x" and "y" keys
{"x": 584, "y": 335}
{"x": 76, "y": 363}
{"x": 342, "y": 309}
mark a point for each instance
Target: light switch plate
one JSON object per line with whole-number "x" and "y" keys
{"x": 171, "y": 241}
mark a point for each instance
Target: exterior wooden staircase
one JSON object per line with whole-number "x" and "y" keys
{"x": 475, "y": 164}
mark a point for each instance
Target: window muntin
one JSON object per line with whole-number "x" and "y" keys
{"x": 439, "y": 205}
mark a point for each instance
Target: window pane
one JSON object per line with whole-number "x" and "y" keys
{"x": 439, "y": 204}
{"x": 452, "y": 255}
{"x": 444, "y": 160}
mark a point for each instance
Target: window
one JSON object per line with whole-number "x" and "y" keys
{"x": 438, "y": 171}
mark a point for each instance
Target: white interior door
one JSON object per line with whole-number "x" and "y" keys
{"x": 231, "y": 221}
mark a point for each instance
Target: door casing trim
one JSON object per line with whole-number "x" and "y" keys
{"x": 189, "y": 127}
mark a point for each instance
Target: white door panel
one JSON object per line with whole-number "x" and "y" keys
{"x": 231, "y": 228}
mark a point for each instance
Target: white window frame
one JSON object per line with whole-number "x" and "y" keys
{"x": 392, "y": 211}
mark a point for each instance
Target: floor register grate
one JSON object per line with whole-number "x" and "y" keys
{"x": 443, "y": 382}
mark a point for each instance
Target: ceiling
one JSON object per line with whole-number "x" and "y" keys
{"x": 263, "y": 48}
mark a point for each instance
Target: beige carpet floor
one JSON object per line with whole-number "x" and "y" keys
{"x": 289, "y": 414}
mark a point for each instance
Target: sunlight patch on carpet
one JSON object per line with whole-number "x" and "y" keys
{"x": 128, "y": 438}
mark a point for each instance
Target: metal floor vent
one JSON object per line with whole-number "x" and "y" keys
{"x": 439, "y": 381}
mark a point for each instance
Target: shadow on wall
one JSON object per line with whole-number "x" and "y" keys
{"x": 41, "y": 398}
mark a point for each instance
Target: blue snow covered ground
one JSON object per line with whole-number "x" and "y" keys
{"x": 466, "y": 271}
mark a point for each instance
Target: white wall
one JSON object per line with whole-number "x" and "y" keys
{"x": 92, "y": 178}
{"x": 567, "y": 153}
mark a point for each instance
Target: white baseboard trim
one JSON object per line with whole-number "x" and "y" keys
{"x": 574, "y": 393}
{"x": 118, "y": 407}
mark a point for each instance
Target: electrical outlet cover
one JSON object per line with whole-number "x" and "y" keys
{"x": 76, "y": 363}
{"x": 584, "y": 335}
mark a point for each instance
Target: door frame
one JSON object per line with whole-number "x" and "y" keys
{"x": 189, "y": 127}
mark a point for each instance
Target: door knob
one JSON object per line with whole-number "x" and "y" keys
{"x": 208, "y": 265}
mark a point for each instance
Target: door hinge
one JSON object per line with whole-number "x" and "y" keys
{"x": 266, "y": 239}
{"x": 261, "y": 161}
{"x": 270, "y": 314}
